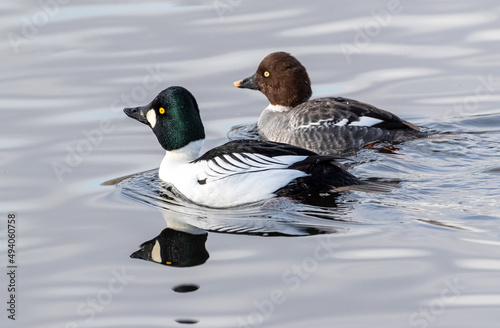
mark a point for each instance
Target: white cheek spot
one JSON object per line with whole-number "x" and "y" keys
{"x": 155, "y": 253}
{"x": 151, "y": 117}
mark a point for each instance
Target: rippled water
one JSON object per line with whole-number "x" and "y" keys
{"x": 423, "y": 255}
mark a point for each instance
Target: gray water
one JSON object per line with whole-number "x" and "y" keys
{"x": 423, "y": 255}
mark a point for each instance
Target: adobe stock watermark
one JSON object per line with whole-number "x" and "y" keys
{"x": 483, "y": 91}
{"x": 31, "y": 26}
{"x": 371, "y": 29}
{"x": 292, "y": 279}
{"x": 97, "y": 303}
{"x": 138, "y": 94}
{"x": 429, "y": 312}
{"x": 223, "y": 7}
{"x": 93, "y": 138}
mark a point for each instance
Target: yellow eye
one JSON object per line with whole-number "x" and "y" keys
{"x": 162, "y": 110}
{"x": 266, "y": 74}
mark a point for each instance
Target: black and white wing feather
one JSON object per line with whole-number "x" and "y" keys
{"x": 304, "y": 171}
{"x": 339, "y": 111}
{"x": 247, "y": 156}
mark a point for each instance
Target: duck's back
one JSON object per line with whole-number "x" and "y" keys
{"x": 334, "y": 124}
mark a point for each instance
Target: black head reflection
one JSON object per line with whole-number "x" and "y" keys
{"x": 185, "y": 288}
{"x": 174, "y": 248}
{"x": 187, "y": 321}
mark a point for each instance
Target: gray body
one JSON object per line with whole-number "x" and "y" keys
{"x": 328, "y": 125}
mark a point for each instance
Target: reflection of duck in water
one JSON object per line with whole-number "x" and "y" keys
{"x": 183, "y": 246}
{"x": 239, "y": 172}
{"x": 175, "y": 248}
{"x": 182, "y": 243}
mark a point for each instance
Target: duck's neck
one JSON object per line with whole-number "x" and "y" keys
{"x": 185, "y": 154}
{"x": 273, "y": 120}
{"x": 278, "y": 108}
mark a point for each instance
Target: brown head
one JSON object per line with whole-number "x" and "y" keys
{"x": 281, "y": 78}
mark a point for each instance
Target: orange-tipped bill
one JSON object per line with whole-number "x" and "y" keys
{"x": 248, "y": 83}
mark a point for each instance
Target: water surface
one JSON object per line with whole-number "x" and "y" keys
{"x": 424, "y": 255}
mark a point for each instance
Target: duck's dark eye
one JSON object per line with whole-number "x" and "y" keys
{"x": 162, "y": 110}
{"x": 266, "y": 74}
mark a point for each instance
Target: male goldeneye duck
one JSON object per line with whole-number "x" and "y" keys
{"x": 238, "y": 172}
{"x": 325, "y": 125}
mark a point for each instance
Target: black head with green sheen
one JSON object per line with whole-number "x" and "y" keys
{"x": 174, "y": 117}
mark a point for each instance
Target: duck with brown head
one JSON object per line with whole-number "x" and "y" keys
{"x": 329, "y": 125}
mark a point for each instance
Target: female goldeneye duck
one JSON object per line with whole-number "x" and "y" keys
{"x": 325, "y": 125}
{"x": 238, "y": 172}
